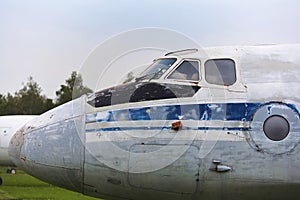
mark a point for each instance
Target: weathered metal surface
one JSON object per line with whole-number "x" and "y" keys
{"x": 121, "y": 149}
{"x": 53, "y": 145}
{"x": 8, "y": 127}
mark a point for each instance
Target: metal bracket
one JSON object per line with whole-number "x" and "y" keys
{"x": 217, "y": 166}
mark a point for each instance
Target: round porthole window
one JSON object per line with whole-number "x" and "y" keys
{"x": 276, "y": 127}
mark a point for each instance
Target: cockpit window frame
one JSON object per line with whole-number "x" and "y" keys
{"x": 141, "y": 77}
{"x": 178, "y": 65}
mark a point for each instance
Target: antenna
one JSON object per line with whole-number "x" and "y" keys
{"x": 184, "y": 51}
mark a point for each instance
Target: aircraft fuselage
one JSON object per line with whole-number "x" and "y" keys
{"x": 228, "y": 129}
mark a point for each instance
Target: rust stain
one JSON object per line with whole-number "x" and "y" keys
{"x": 176, "y": 125}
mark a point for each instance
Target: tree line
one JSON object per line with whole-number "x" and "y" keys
{"x": 29, "y": 100}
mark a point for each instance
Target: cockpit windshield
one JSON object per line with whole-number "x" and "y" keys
{"x": 157, "y": 69}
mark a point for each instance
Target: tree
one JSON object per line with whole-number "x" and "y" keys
{"x": 27, "y": 101}
{"x": 8, "y": 106}
{"x": 3, "y": 104}
{"x": 72, "y": 89}
{"x": 30, "y": 101}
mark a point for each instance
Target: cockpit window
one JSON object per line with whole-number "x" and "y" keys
{"x": 187, "y": 70}
{"x": 157, "y": 69}
{"x": 220, "y": 72}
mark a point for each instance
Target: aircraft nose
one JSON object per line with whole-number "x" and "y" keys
{"x": 51, "y": 146}
{"x": 15, "y": 145}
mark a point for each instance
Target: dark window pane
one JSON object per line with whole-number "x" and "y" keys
{"x": 157, "y": 69}
{"x": 220, "y": 71}
{"x": 187, "y": 70}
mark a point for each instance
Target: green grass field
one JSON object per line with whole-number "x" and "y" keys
{"x": 22, "y": 186}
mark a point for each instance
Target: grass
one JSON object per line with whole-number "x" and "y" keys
{"x": 22, "y": 186}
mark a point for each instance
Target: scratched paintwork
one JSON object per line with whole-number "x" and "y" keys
{"x": 130, "y": 151}
{"x": 8, "y": 127}
{"x": 62, "y": 160}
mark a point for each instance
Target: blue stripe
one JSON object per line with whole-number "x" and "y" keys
{"x": 164, "y": 128}
{"x": 226, "y": 111}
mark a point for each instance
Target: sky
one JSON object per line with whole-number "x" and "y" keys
{"x": 51, "y": 38}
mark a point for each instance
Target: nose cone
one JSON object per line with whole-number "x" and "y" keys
{"x": 50, "y": 147}
{"x": 15, "y": 145}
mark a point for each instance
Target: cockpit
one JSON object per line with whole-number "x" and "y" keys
{"x": 219, "y": 71}
{"x": 186, "y": 70}
{"x": 172, "y": 76}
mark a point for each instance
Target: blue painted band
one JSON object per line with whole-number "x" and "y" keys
{"x": 165, "y": 128}
{"x": 220, "y": 111}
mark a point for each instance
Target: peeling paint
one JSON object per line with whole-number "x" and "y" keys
{"x": 101, "y": 146}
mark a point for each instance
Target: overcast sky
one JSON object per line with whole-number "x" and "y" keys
{"x": 51, "y": 38}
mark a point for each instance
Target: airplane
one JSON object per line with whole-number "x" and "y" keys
{"x": 8, "y": 127}
{"x": 211, "y": 123}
